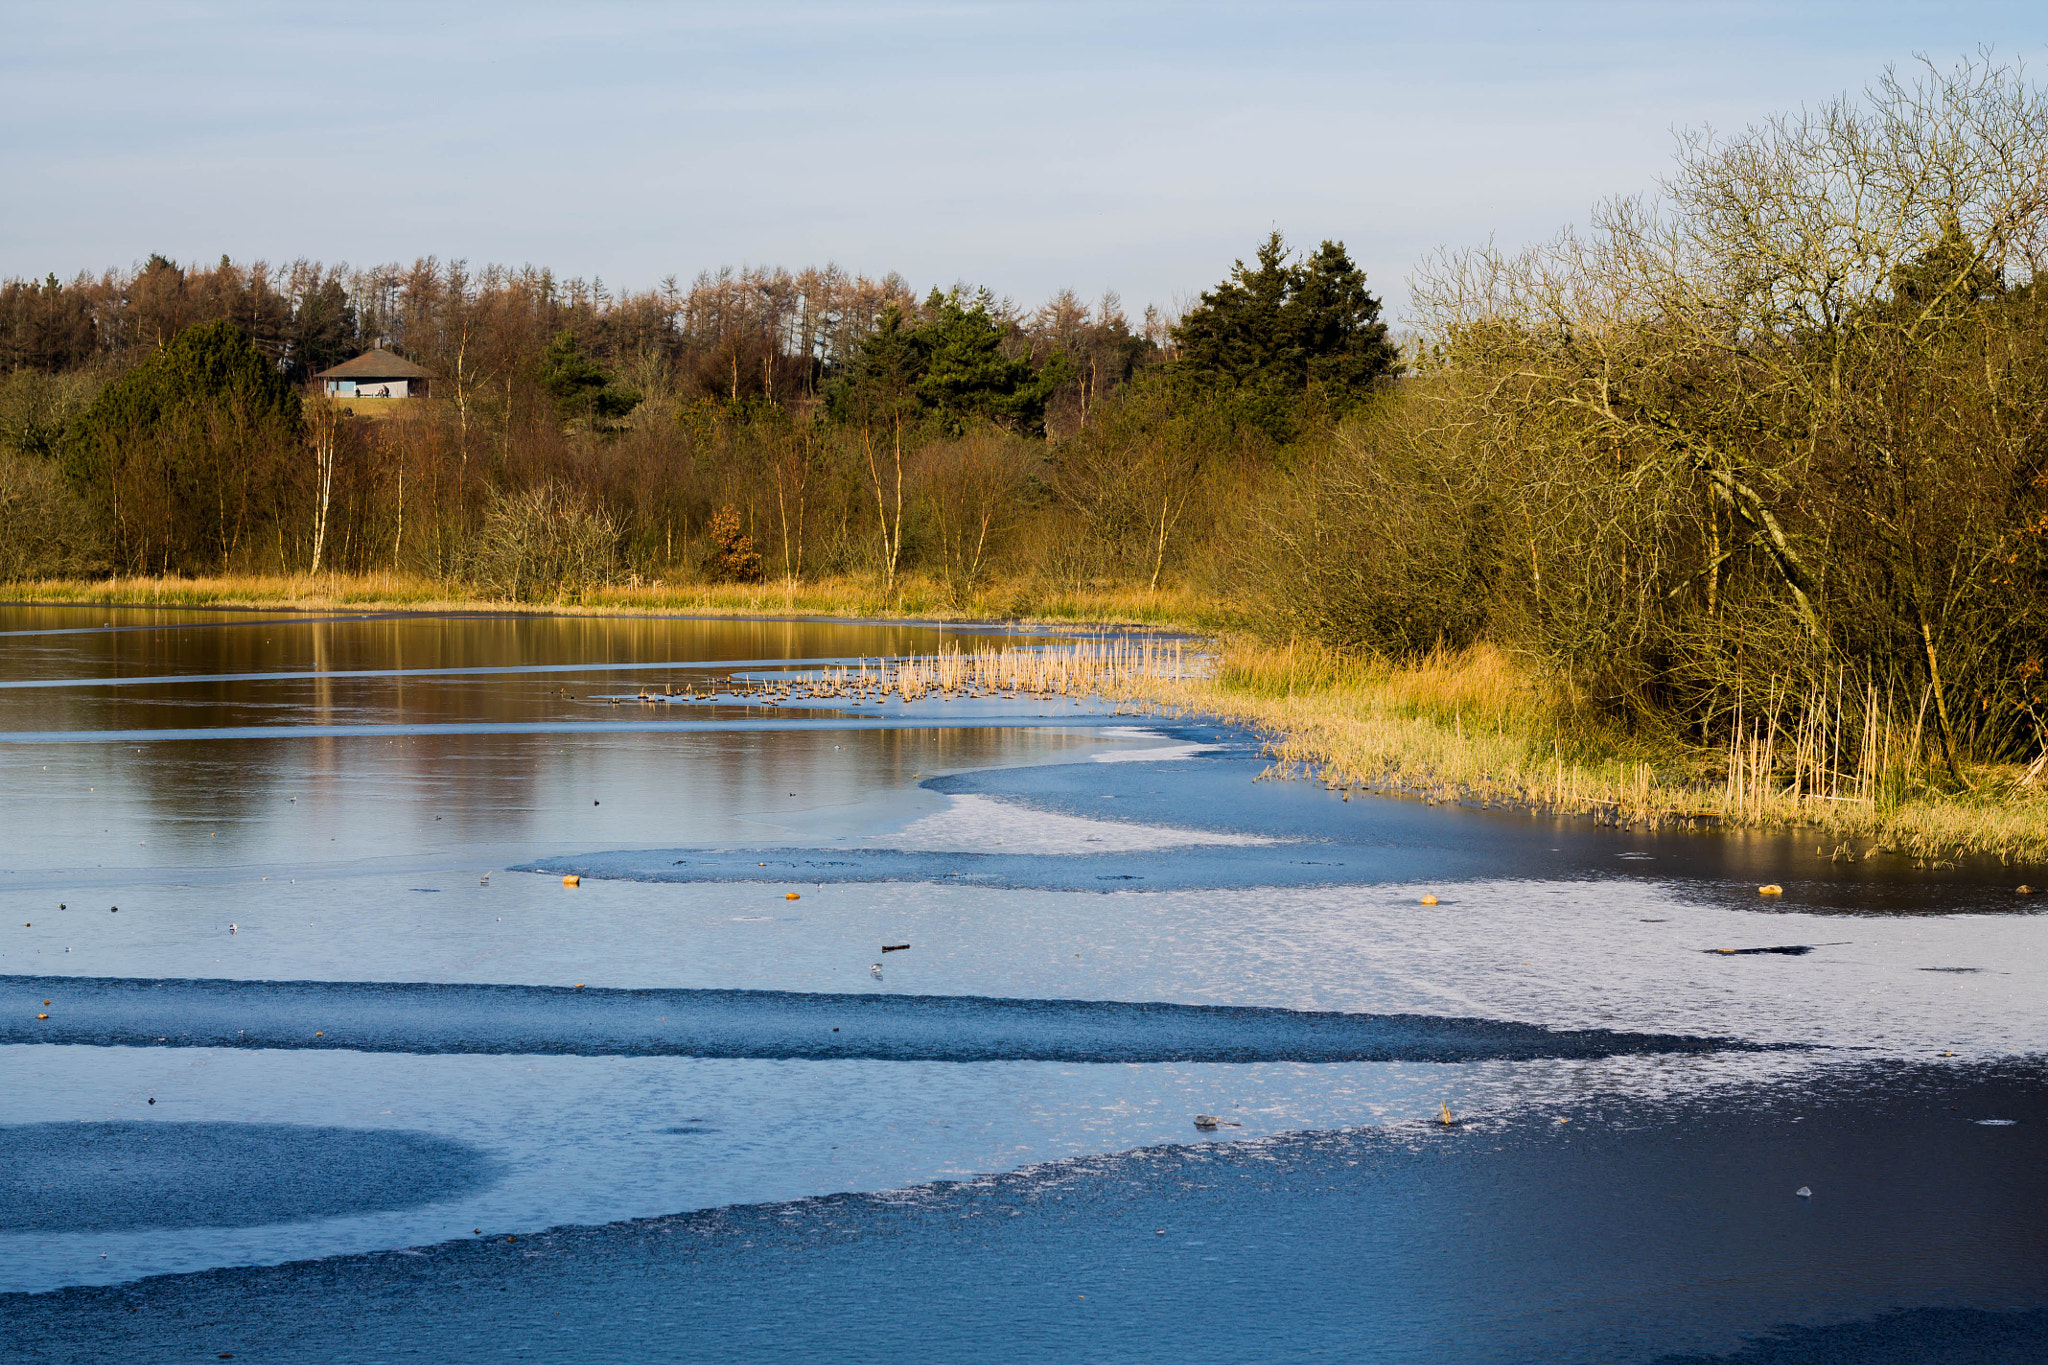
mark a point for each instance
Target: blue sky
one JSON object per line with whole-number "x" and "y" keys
{"x": 1028, "y": 146}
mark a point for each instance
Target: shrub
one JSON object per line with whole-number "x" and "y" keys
{"x": 541, "y": 543}
{"x": 45, "y": 531}
{"x": 733, "y": 556}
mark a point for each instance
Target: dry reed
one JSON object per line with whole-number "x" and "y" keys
{"x": 1476, "y": 726}
{"x": 1115, "y": 669}
{"x": 858, "y": 598}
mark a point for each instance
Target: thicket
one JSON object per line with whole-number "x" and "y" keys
{"x": 755, "y": 425}
{"x": 1756, "y": 459}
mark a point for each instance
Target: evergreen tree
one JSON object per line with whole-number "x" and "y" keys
{"x": 181, "y": 455}
{"x": 579, "y": 385}
{"x": 323, "y": 330}
{"x": 1281, "y": 332}
{"x": 949, "y": 369}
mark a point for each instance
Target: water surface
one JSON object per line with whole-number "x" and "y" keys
{"x": 289, "y": 890}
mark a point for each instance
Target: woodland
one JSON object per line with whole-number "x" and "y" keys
{"x": 1752, "y": 460}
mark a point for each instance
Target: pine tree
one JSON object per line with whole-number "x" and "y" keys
{"x": 1280, "y": 332}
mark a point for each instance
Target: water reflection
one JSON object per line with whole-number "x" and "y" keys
{"x": 340, "y": 798}
{"x": 174, "y": 778}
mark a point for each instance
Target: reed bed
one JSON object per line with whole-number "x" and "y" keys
{"x": 1119, "y": 668}
{"x": 851, "y": 597}
{"x": 1835, "y": 758}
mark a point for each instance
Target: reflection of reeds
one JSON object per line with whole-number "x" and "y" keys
{"x": 1114, "y": 667}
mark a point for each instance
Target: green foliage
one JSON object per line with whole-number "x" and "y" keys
{"x": 949, "y": 368}
{"x": 36, "y": 408}
{"x": 210, "y": 366}
{"x": 579, "y": 385}
{"x": 1281, "y": 334}
{"x": 179, "y": 457}
{"x": 323, "y": 329}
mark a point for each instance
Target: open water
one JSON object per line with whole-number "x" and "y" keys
{"x": 336, "y": 1067}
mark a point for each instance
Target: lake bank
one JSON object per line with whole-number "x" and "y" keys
{"x": 1479, "y": 727}
{"x": 917, "y": 599}
{"x": 1476, "y": 726}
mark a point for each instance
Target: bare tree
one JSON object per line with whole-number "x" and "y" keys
{"x": 323, "y": 439}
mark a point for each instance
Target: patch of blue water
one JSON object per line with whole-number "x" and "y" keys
{"x": 769, "y": 1025}
{"x": 135, "y": 1174}
{"x": 1629, "y": 1233}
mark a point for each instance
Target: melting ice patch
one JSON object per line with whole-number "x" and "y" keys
{"x": 1644, "y": 957}
{"x": 1154, "y": 754}
{"x": 979, "y": 824}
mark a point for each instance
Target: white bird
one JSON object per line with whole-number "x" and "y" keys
{"x": 875, "y": 970}
{"x": 233, "y": 927}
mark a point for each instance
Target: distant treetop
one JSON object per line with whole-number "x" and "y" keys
{"x": 1288, "y": 327}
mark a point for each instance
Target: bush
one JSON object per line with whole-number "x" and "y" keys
{"x": 1379, "y": 538}
{"x": 542, "y": 544}
{"x": 733, "y": 556}
{"x": 45, "y": 531}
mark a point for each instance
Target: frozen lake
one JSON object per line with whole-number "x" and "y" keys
{"x": 336, "y": 1067}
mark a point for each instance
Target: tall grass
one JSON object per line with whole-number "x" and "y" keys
{"x": 916, "y": 597}
{"x": 1478, "y": 725}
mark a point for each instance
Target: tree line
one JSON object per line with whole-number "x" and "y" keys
{"x": 1763, "y": 448}
{"x": 166, "y": 420}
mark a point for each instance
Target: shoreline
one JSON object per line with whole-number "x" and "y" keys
{"x": 1473, "y": 728}
{"x": 917, "y": 600}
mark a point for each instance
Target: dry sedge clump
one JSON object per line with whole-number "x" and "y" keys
{"x": 1116, "y": 668}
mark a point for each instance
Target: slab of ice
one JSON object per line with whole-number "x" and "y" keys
{"x": 979, "y": 824}
{"x": 1153, "y": 753}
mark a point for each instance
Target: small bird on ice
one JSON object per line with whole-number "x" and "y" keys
{"x": 875, "y": 970}
{"x": 232, "y": 928}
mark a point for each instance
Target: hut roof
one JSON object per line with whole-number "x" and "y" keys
{"x": 374, "y": 365}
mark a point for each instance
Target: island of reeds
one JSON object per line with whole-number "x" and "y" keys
{"x": 1729, "y": 503}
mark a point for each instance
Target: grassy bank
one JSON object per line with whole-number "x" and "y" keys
{"x": 1473, "y": 726}
{"x": 1477, "y": 726}
{"x": 916, "y": 598}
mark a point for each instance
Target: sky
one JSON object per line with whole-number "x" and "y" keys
{"x": 1135, "y": 147}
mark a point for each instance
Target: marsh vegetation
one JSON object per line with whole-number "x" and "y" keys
{"x": 1731, "y": 501}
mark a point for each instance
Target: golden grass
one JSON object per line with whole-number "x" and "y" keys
{"x": 1470, "y": 726}
{"x": 854, "y": 598}
{"x": 384, "y": 409}
{"x": 1479, "y": 726}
